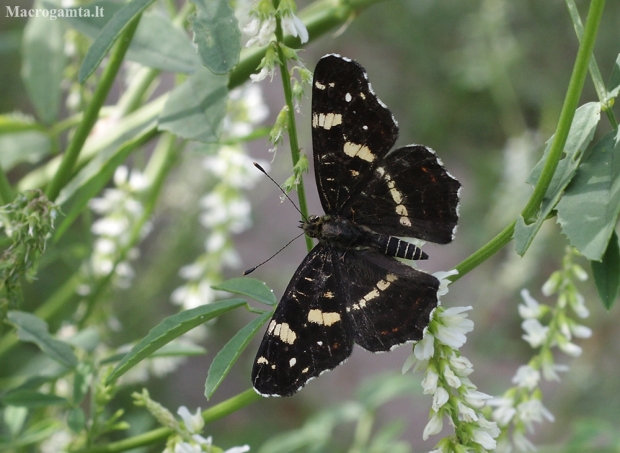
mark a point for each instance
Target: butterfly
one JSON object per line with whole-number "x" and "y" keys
{"x": 350, "y": 289}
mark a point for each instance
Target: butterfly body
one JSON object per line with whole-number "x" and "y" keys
{"x": 350, "y": 289}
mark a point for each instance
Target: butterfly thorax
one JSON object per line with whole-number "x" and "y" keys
{"x": 342, "y": 233}
{"x": 337, "y": 232}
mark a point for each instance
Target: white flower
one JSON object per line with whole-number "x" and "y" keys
{"x": 486, "y": 433}
{"x": 476, "y": 399}
{"x": 466, "y": 412}
{"x": 536, "y": 333}
{"x": 429, "y": 384}
{"x": 294, "y": 26}
{"x": 531, "y": 309}
{"x": 578, "y": 304}
{"x": 442, "y": 276}
{"x": 425, "y": 348}
{"x": 482, "y": 437}
{"x": 434, "y": 426}
{"x": 526, "y": 377}
{"x": 549, "y": 370}
{"x": 505, "y": 410}
{"x": 453, "y": 325}
{"x": 533, "y": 411}
{"x": 451, "y": 378}
{"x": 580, "y": 331}
{"x": 263, "y": 34}
{"x": 440, "y": 398}
{"x": 193, "y": 422}
{"x": 570, "y": 348}
{"x": 461, "y": 365}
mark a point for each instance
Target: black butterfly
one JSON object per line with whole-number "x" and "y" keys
{"x": 350, "y": 288}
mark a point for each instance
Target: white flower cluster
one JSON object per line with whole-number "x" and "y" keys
{"x": 121, "y": 210}
{"x": 186, "y": 436}
{"x": 192, "y": 441}
{"x": 446, "y": 379}
{"x": 261, "y": 30}
{"x": 521, "y": 406}
{"x": 225, "y": 209}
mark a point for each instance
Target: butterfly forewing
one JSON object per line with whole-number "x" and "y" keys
{"x": 307, "y": 334}
{"x": 352, "y": 130}
{"x": 410, "y": 194}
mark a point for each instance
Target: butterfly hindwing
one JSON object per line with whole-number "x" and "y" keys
{"x": 352, "y": 130}
{"x": 388, "y": 302}
{"x": 410, "y": 194}
{"x": 308, "y": 333}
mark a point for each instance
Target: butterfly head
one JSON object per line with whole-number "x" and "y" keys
{"x": 312, "y": 226}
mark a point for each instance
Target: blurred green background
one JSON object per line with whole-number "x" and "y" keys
{"x": 482, "y": 83}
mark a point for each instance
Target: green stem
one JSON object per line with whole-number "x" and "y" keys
{"x": 292, "y": 125}
{"x": 159, "y": 435}
{"x": 573, "y": 94}
{"x": 91, "y": 114}
{"x": 566, "y": 117}
{"x": 485, "y": 252}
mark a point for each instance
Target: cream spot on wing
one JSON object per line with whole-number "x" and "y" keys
{"x": 261, "y": 360}
{"x": 348, "y": 97}
{"x": 354, "y": 150}
{"x": 272, "y": 326}
{"x": 397, "y": 196}
{"x": 328, "y": 294}
{"x": 323, "y": 318}
{"x": 405, "y": 221}
{"x": 332, "y": 84}
{"x": 362, "y": 95}
{"x": 305, "y": 370}
{"x": 292, "y": 362}
{"x": 355, "y": 173}
{"x": 285, "y": 333}
{"x": 319, "y": 85}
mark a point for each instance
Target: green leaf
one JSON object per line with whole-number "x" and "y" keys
{"x": 250, "y": 287}
{"x": 228, "y": 355}
{"x": 613, "y": 87}
{"x": 217, "y": 34}
{"x": 76, "y": 419}
{"x": 195, "y": 109}
{"x": 170, "y": 328}
{"x": 43, "y": 64}
{"x": 580, "y": 135}
{"x": 31, "y": 398}
{"x": 175, "y": 53}
{"x": 607, "y": 273}
{"x": 14, "y": 418}
{"x": 29, "y": 146}
{"x": 33, "y": 329}
{"x": 589, "y": 209}
{"x": 172, "y": 349}
{"x": 115, "y": 26}
{"x": 81, "y": 381}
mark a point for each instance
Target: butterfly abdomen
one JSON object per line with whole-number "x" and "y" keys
{"x": 393, "y": 246}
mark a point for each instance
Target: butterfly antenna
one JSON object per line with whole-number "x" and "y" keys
{"x": 252, "y": 269}
{"x": 257, "y": 165}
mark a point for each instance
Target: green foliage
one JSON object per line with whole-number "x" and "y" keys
{"x": 606, "y": 273}
{"x": 216, "y": 34}
{"x": 109, "y": 34}
{"x": 195, "y": 109}
{"x": 33, "y": 329}
{"x": 250, "y": 287}
{"x": 170, "y": 328}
